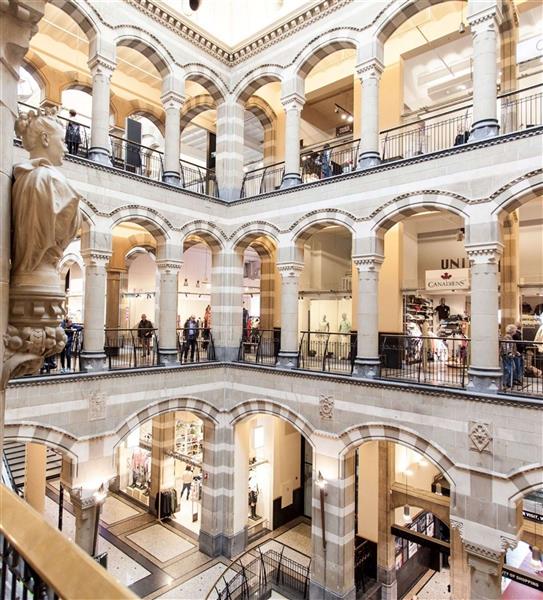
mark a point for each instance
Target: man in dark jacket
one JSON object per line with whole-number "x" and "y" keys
{"x": 145, "y": 334}
{"x": 73, "y": 134}
{"x": 72, "y": 333}
{"x": 191, "y": 335}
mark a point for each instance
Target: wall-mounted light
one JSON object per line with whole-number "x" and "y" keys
{"x": 186, "y": 282}
{"x": 321, "y": 484}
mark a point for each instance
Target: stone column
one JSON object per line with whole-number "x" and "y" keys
{"x": 369, "y": 73}
{"x": 386, "y": 552}
{"x": 18, "y": 23}
{"x": 293, "y": 104}
{"x": 101, "y": 70}
{"x": 509, "y": 271}
{"x": 35, "y": 475}
{"x": 167, "y": 334}
{"x": 367, "y": 353}
{"x": 93, "y": 357}
{"x": 217, "y": 535}
{"x": 87, "y": 518}
{"x": 332, "y": 560}
{"x": 172, "y": 103}
{"x": 290, "y": 281}
{"x": 484, "y": 28}
{"x": 230, "y": 143}
{"x": 484, "y": 370}
{"x": 268, "y": 147}
{"x": 226, "y": 302}
{"x": 267, "y": 283}
{"x": 485, "y": 572}
{"x": 113, "y": 295}
{"x": 162, "y": 465}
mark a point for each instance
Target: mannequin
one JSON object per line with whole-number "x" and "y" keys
{"x": 443, "y": 311}
{"x": 344, "y": 325}
{"x": 253, "y": 495}
{"x": 324, "y": 326}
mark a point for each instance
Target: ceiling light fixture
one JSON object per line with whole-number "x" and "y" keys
{"x": 345, "y": 115}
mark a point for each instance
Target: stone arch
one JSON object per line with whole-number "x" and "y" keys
{"x": 322, "y": 47}
{"x": 68, "y": 260}
{"x": 406, "y": 206}
{"x": 524, "y": 480}
{"x": 246, "y": 235}
{"x": 304, "y": 228}
{"x": 201, "y": 408}
{"x": 255, "y": 80}
{"x": 208, "y": 79}
{"x": 156, "y": 225}
{"x": 148, "y": 46}
{"x": 33, "y": 65}
{"x": 78, "y": 12}
{"x": 261, "y": 110}
{"x": 149, "y": 113}
{"x": 518, "y": 192}
{"x": 270, "y": 407}
{"x": 54, "y": 437}
{"x": 358, "y": 434}
{"x": 194, "y": 106}
{"x": 202, "y": 231}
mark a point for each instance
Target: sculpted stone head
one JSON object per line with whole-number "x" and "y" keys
{"x": 42, "y": 135}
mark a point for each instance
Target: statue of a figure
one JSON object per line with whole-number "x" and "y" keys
{"x": 45, "y": 219}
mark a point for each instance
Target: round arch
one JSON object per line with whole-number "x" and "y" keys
{"x": 68, "y": 260}
{"x": 80, "y": 15}
{"x": 270, "y": 407}
{"x": 246, "y": 235}
{"x": 255, "y": 80}
{"x": 208, "y": 79}
{"x": 57, "y": 439}
{"x": 148, "y": 46}
{"x": 322, "y": 47}
{"x": 195, "y": 106}
{"x": 406, "y": 206}
{"x": 201, "y": 408}
{"x": 149, "y": 219}
{"x": 358, "y": 434}
{"x": 517, "y": 193}
{"x": 206, "y": 231}
{"x": 525, "y": 480}
{"x": 304, "y": 228}
{"x": 147, "y": 112}
{"x": 261, "y": 110}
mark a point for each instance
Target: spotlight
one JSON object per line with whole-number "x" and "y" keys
{"x": 461, "y": 27}
{"x": 343, "y": 117}
{"x": 336, "y": 109}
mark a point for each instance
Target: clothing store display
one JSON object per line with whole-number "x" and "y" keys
{"x": 253, "y": 496}
{"x": 443, "y": 311}
{"x": 344, "y": 325}
{"x": 167, "y": 500}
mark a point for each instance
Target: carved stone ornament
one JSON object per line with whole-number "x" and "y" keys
{"x": 45, "y": 219}
{"x": 97, "y": 406}
{"x": 326, "y": 407}
{"x": 480, "y": 436}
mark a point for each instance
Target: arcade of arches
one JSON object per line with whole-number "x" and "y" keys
{"x": 301, "y": 345}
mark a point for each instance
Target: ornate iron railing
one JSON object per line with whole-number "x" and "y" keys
{"x": 260, "y": 347}
{"x": 262, "y": 180}
{"x": 136, "y": 158}
{"x": 522, "y": 367}
{"x": 321, "y": 162}
{"x": 327, "y": 352}
{"x": 131, "y": 348}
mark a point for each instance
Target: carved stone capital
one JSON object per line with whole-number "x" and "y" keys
{"x": 368, "y": 262}
{"x": 100, "y": 66}
{"x": 290, "y": 270}
{"x": 484, "y": 559}
{"x": 169, "y": 266}
{"x": 485, "y": 20}
{"x": 370, "y": 69}
{"x": 96, "y": 258}
{"x": 172, "y": 100}
{"x": 485, "y": 253}
{"x": 293, "y": 102}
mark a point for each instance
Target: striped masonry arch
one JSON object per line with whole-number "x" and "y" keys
{"x": 147, "y": 218}
{"x": 208, "y": 79}
{"x": 77, "y": 12}
{"x": 255, "y": 80}
{"x": 194, "y": 106}
{"x": 315, "y": 221}
{"x": 199, "y": 231}
{"x": 55, "y": 438}
{"x": 323, "y": 47}
{"x": 149, "y": 51}
{"x": 518, "y": 192}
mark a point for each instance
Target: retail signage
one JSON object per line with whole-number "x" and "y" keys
{"x": 344, "y": 129}
{"x": 529, "y": 579}
{"x": 532, "y": 516}
{"x": 448, "y": 279}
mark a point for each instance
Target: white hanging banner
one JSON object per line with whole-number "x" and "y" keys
{"x": 449, "y": 279}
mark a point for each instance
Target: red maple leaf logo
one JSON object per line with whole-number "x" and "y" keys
{"x": 446, "y": 275}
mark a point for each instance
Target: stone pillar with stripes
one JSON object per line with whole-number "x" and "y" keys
{"x": 217, "y": 534}
{"x": 509, "y": 272}
{"x": 162, "y": 464}
{"x": 332, "y": 527}
{"x": 369, "y": 73}
{"x": 267, "y": 285}
{"x": 230, "y": 144}
{"x": 172, "y": 102}
{"x": 101, "y": 68}
{"x": 367, "y": 362}
{"x": 293, "y": 104}
{"x": 226, "y": 302}
{"x": 484, "y": 18}
{"x": 268, "y": 147}
{"x": 290, "y": 283}
{"x": 386, "y": 550}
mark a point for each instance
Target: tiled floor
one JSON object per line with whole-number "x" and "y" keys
{"x": 162, "y": 543}
{"x": 198, "y": 586}
{"x": 435, "y": 587}
{"x": 298, "y": 537}
{"x": 115, "y": 510}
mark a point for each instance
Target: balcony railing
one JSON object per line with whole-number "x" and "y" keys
{"x": 262, "y": 180}
{"x": 441, "y": 361}
{"x": 522, "y": 367}
{"x": 260, "y": 347}
{"x": 39, "y": 562}
{"x": 327, "y": 352}
{"x": 198, "y": 179}
{"x": 195, "y": 348}
{"x": 135, "y": 158}
{"x": 131, "y": 348}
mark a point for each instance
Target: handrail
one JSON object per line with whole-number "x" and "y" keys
{"x": 61, "y": 565}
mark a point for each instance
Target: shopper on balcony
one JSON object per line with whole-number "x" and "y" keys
{"x": 145, "y": 334}
{"x": 462, "y": 136}
{"x": 509, "y": 357}
{"x": 191, "y": 335}
{"x": 207, "y": 326}
{"x": 73, "y": 134}
{"x": 326, "y": 162}
{"x": 71, "y": 332}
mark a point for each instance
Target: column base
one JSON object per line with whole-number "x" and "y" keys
{"x": 226, "y": 353}
{"x": 92, "y": 362}
{"x": 290, "y": 180}
{"x": 100, "y": 155}
{"x": 172, "y": 178}
{"x": 368, "y": 160}
{"x": 167, "y": 357}
{"x": 222, "y": 544}
{"x": 484, "y": 380}
{"x": 317, "y": 591}
{"x": 366, "y": 368}
{"x": 389, "y": 585}
{"x": 482, "y": 130}
{"x": 287, "y": 360}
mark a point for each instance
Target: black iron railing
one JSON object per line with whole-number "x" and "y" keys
{"x": 327, "y": 352}
{"x": 196, "y": 346}
{"x": 522, "y": 367}
{"x": 259, "y": 571}
{"x": 521, "y": 109}
{"x": 262, "y": 180}
{"x": 198, "y": 179}
{"x": 131, "y": 348}
{"x": 429, "y": 360}
{"x": 260, "y": 347}
{"x": 321, "y": 162}
{"x": 136, "y": 158}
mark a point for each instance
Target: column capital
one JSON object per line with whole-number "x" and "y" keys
{"x": 96, "y": 258}
{"x": 101, "y": 65}
{"x": 484, "y": 559}
{"x": 169, "y": 266}
{"x": 368, "y": 262}
{"x": 370, "y": 69}
{"x": 484, "y": 253}
{"x": 487, "y": 19}
{"x": 290, "y": 269}
{"x": 172, "y": 100}
{"x": 293, "y": 101}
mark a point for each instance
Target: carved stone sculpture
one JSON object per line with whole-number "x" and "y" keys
{"x": 45, "y": 219}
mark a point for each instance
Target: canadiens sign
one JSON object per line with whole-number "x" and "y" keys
{"x": 447, "y": 279}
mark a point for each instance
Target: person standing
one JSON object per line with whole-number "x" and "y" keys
{"x": 186, "y": 478}
{"x": 207, "y": 326}
{"x": 73, "y": 134}
{"x": 191, "y": 334}
{"x": 326, "y": 162}
{"x": 145, "y": 334}
{"x": 71, "y": 332}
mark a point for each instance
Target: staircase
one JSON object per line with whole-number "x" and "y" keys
{"x": 14, "y": 453}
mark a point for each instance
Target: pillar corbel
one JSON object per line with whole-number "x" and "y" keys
{"x": 290, "y": 282}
